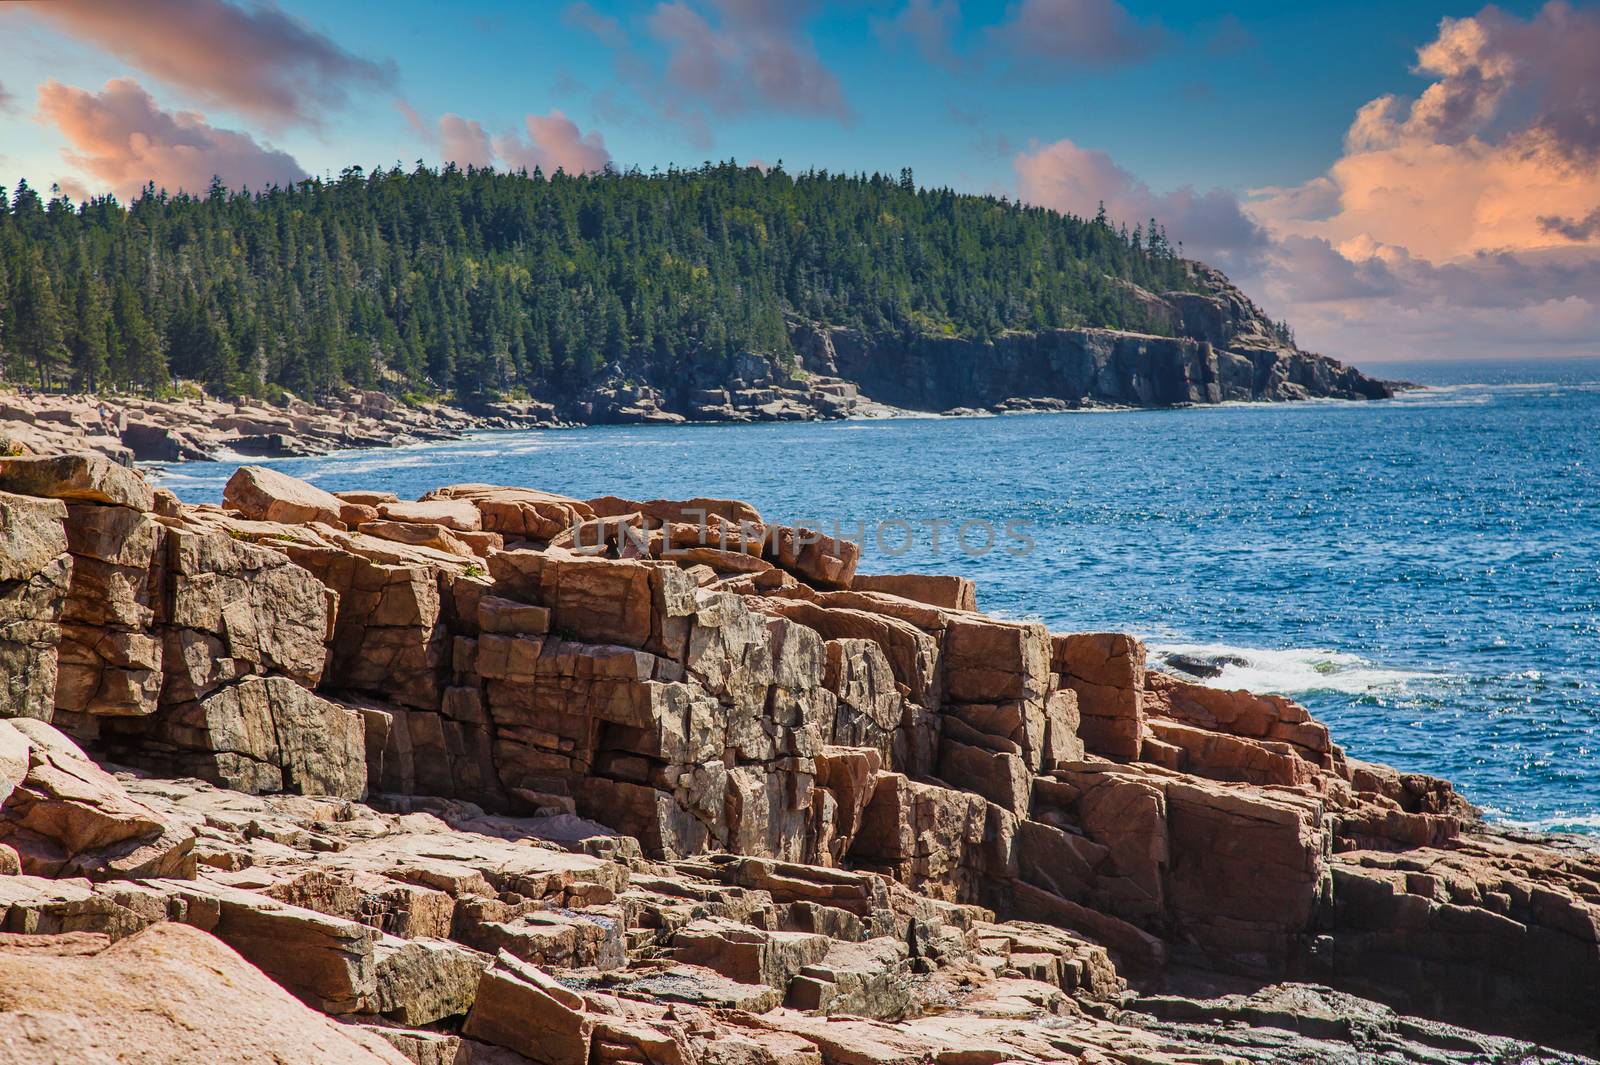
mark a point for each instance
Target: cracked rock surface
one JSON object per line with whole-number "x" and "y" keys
{"x": 499, "y": 776}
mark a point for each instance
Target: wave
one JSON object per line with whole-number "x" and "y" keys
{"x": 1294, "y": 670}
{"x": 1575, "y": 823}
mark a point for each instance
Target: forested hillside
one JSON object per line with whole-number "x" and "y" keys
{"x": 464, "y": 282}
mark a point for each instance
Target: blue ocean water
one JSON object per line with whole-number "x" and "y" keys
{"x": 1424, "y": 574}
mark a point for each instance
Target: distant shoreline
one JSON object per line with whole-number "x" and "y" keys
{"x": 147, "y": 430}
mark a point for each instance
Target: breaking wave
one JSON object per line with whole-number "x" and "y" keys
{"x": 1293, "y": 671}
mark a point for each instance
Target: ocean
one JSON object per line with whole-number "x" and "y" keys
{"x": 1423, "y": 573}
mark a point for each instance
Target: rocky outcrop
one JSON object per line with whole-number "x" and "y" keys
{"x": 1217, "y": 347}
{"x": 1220, "y": 348}
{"x": 1063, "y": 369}
{"x": 126, "y": 428}
{"x": 665, "y": 781}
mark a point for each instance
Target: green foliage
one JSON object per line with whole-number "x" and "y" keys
{"x": 472, "y": 282}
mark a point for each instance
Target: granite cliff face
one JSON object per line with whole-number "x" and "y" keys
{"x": 502, "y": 776}
{"x": 1222, "y": 350}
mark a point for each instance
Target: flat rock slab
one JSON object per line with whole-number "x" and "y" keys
{"x": 168, "y": 994}
{"x": 81, "y": 478}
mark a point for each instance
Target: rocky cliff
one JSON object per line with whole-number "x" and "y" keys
{"x": 1222, "y": 349}
{"x": 502, "y": 776}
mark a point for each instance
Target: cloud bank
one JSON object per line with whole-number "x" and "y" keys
{"x": 695, "y": 61}
{"x": 1463, "y": 222}
{"x": 549, "y": 142}
{"x": 255, "y": 60}
{"x": 1211, "y": 223}
{"x": 122, "y": 139}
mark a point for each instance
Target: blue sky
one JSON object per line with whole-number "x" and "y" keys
{"x": 1160, "y": 108}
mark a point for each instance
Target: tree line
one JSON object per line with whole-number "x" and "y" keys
{"x": 468, "y": 282}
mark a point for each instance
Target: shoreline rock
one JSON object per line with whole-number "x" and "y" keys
{"x": 578, "y": 781}
{"x": 1223, "y": 351}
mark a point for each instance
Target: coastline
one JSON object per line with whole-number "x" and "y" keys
{"x": 894, "y": 798}
{"x": 136, "y": 429}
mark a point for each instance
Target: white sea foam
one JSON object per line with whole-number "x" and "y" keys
{"x": 389, "y": 460}
{"x": 1295, "y": 670}
{"x": 1578, "y": 824}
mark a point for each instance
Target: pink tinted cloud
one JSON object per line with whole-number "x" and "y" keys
{"x": 120, "y": 139}
{"x": 747, "y": 53}
{"x": 554, "y": 143}
{"x": 1055, "y": 36}
{"x": 464, "y": 142}
{"x": 1500, "y": 151}
{"x": 550, "y": 142}
{"x": 1077, "y": 180}
{"x": 257, "y": 60}
{"x": 1462, "y": 222}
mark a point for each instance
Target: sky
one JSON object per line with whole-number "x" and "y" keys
{"x": 1400, "y": 181}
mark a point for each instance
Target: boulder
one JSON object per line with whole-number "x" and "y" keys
{"x": 324, "y": 961}
{"x": 435, "y": 536}
{"x": 83, "y": 478}
{"x": 267, "y": 495}
{"x": 110, "y": 657}
{"x": 237, "y": 609}
{"x": 521, "y": 1008}
{"x": 266, "y": 734}
{"x": 992, "y": 661}
{"x": 951, "y": 593}
{"x": 1106, "y": 671}
{"x": 32, "y": 535}
{"x": 521, "y": 513}
{"x": 825, "y": 561}
{"x": 748, "y": 955}
{"x": 66, "y": 816}
{"x": 457, "y": 514}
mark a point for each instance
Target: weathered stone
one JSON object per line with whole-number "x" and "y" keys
{"x": 237, "y": 609}
{"x": 83, "y": 477}
{"x": 825, "y": 561}
{"x": 748, "y": 955}
{"x": 522, "y": 513}
{"x": 1106, "y": 670}
{"x": 32, "y": 535}
{"x": 266, "y": 734}
{"x": 167, "y": 994}
{"x": 522, "y": 1009}
{"x": 423, "y": 981}
{"x": 65, "y": 816}
{"x": 924, "y": 835}
{"x": 326, "y": 962}
{"x": 436, "y": 537}
{"x": 1001, "y": 778}
{"x": 458, "y": 514}
{"x": 267, "y": 495}
{"x": 952, "y": 593}
{"x": 989, "y": 661}
{"x": 35, "y": 572}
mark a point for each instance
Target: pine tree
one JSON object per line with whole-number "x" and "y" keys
{"x": 137, "y": 355}
{"x": 88, "y": 338}
{"x": 461, "y": 281}
{"x": 36, "y": 329}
